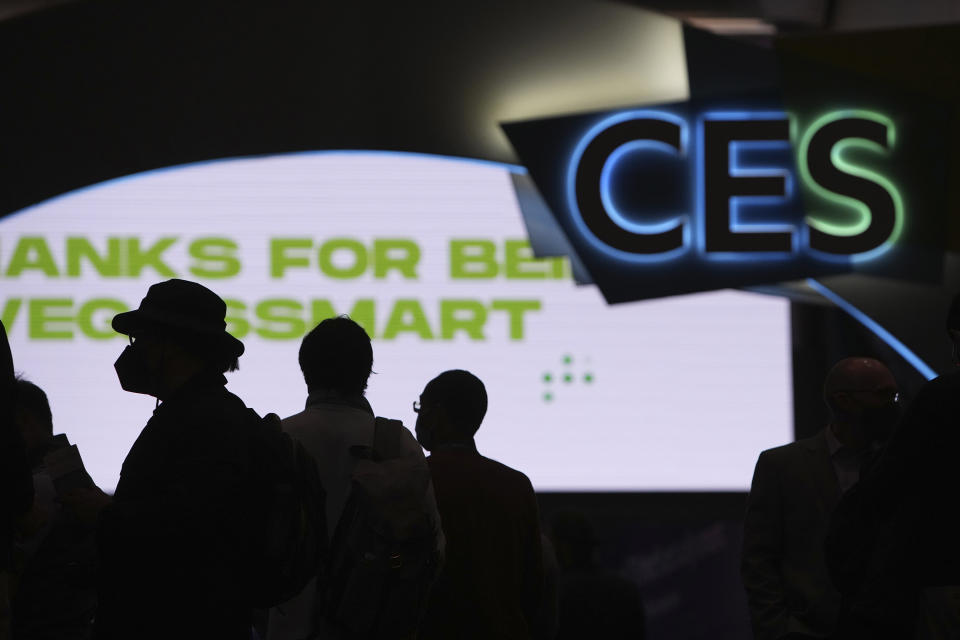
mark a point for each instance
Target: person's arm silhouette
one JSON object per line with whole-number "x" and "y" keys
{"x": 532, "y": 573}
{"x": 762, "y": 553}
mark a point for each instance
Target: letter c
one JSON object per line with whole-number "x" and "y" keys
{"x": 587, "y": 186}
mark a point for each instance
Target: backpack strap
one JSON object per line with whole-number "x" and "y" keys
{"x": 387, "y": 438}
{"x": 271, "y": 420}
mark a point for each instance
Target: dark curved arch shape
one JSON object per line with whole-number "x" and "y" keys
{"x": 96, "y": 90}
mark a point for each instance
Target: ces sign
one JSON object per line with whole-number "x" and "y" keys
{"x": 711, "y": 146}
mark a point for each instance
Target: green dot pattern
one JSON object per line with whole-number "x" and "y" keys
{"x": 567, "y": 377}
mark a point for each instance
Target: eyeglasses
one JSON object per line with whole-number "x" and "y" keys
{"x": 419, "y": 408}
{"x": 145, "y": 336}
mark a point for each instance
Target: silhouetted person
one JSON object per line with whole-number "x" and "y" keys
{"x": 174, "y": 540}
{"x": 16, "y": 484}
{"x": 56, "y": 591}
{"x": 336, "y": 359}
{"x": 593, "y": 603}
{"x": 901, "y": 525}
{"x": 491, "y": 582}
{"x": 795, "y": 489}
{"x": 34, "y": 420}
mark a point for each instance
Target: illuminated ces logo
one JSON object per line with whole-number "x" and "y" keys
{"x": 855, "y": 213}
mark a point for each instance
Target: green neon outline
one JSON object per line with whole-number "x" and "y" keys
{"x": 836, "y": 157}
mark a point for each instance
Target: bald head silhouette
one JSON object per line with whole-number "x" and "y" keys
{"x": 861, "y": 374}
{"x": 862, "y": 396}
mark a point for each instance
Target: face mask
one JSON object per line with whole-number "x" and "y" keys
{"x": 134, "y": 373}
{"x": 423, "y": 437}
{"x": 880, "y": 422}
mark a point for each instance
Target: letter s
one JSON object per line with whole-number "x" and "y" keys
{"x": 870, "y": 194}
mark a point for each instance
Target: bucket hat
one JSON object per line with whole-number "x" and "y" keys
{"x": 183, "y": 305}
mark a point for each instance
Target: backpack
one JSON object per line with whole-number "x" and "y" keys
{"x": 290, "y": 532}
{"x": 383, "y": 556}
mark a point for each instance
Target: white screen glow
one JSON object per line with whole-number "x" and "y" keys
{"x": 676, "y": 394}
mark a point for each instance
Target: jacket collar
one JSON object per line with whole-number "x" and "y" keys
{"x": 199, "y": 384}
{"x": 470, "y": 447}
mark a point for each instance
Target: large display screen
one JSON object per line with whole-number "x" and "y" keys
{"x": 430, "y": 255}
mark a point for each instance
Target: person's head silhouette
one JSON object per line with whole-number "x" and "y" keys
{"x": 336, "y": 356}
{"x": 177, "y": 333}
{"x": 450, "y": 409}
{"x": 33, "y": 416}
{"x": 863, "y": 398}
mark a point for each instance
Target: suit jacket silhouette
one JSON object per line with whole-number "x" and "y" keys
{"x": 793, "y": 494}
{"x": 491, "y": 582}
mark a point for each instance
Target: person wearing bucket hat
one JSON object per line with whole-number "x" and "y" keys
{"x": 173, "y": 538}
